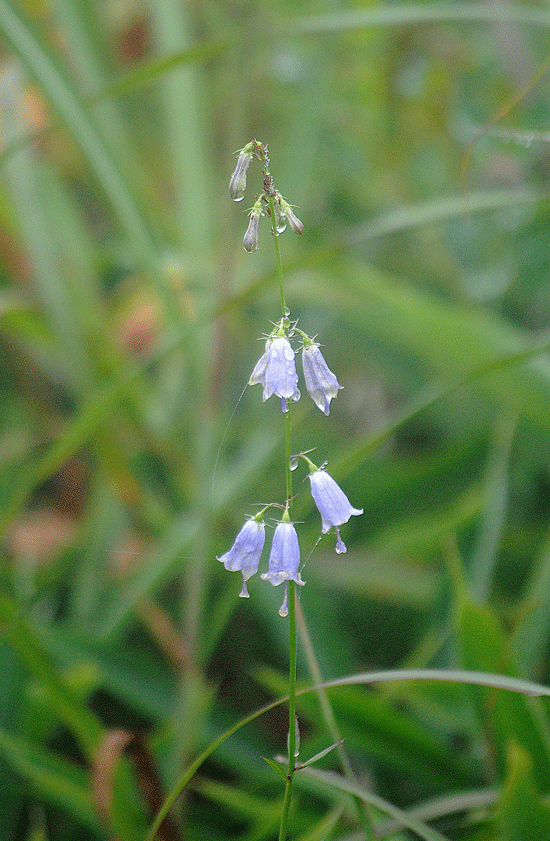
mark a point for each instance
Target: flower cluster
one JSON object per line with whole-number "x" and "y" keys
{"x": 269, "y": 199}
{"x": 276, "y": 369}
{"x": 276, "y": 372}
{"x": 284, "y": 559}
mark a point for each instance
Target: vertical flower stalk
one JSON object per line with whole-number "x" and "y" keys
{"x": 276, "y": 372}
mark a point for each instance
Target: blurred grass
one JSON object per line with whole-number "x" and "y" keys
{"x": 129, "y": 455}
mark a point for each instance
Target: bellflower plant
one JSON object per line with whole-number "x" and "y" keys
{"x": 276, "y": 372}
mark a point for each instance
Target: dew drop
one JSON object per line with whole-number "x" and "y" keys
{"x": 283, "y": 610}
{"x": 293, "y": 464}
{"x": 238, "y": 198}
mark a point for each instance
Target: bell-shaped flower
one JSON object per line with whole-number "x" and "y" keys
{"x": 252, "y": 234}
{"x": 276, "y": 371}
{"x": 332, "y": 503}
{"x": 244, "y": 555}
{"x": 237, "y": 183}
{"x": 284, "y": 558}
{"x": 321, "y": 383}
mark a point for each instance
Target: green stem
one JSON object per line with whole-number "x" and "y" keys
{"x": 291, "y": 586}
{"x": 288, "y": 453}
{"x": 291, "y": 712}
{"x": 278, "y": 255}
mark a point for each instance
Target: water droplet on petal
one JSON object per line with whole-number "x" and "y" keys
{"x": 283, "y": 610}
{"x": 340, "y": 545}
{"x": 281, "y": 227}
{"x": 239, "y": 198}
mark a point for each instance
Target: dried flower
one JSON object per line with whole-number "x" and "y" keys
{"x": 333, "y": 505}
{"x": 252, "y": 233}
{"x": 284, "y": 558}
{"x": 245, "y": 553}
{"x": 276, "y": 371}
{"x": 237, "y": 183}
{"x": 321, "y": 383}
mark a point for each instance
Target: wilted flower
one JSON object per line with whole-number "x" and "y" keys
{"x": 276, "y": 371}
{"x": 252, "y": 233}
{"x": 321, "y": 383}
{"x": 245, "y": 553}
{"x": 237, "y": 183}
{"x": 284, "y": 558}
{"x": 292, "y": 219}
{"x": 333, "y": 505}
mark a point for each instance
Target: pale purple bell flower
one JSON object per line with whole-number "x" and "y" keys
{"x": 276, "y": 371}
{"x": 333, "y": 505}
{"x": 284, "y": 558}
{"x": 244, "y": 555}
{"x": 321, "y": 383}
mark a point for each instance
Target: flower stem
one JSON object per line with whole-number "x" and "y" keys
{"x": 278, "y": 255}
{"x": 291, "y": 713}
{"x": 291, "y": 586}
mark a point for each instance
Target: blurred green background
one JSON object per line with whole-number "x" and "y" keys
{"x": 130, "y": 456}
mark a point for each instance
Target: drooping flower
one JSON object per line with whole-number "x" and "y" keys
{"x": 276, "y": 371}
{"x": 237, "y": 183}
{"x": 252, "y": 233}
{"x": 293, "y": 221}
{"x": 284, "y": 558}
{"x": 332, "y": 503}
{"x": 244, "y": 555}
{"x": 321, "y": 383}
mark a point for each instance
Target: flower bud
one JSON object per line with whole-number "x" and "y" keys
{"x": 237, "y": 183}
{"x": 291, "y": 217}
{"x": 250, "y": 239}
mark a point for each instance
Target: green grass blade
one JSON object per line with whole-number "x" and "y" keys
{"x": 335, "y": 781}
{"x": 68, "y": 707}
{"x": 46, "y": 70}
{"x": 412, "y": 14}
{"x": 54, "y": 780}
{"x": 455, "y": 676}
